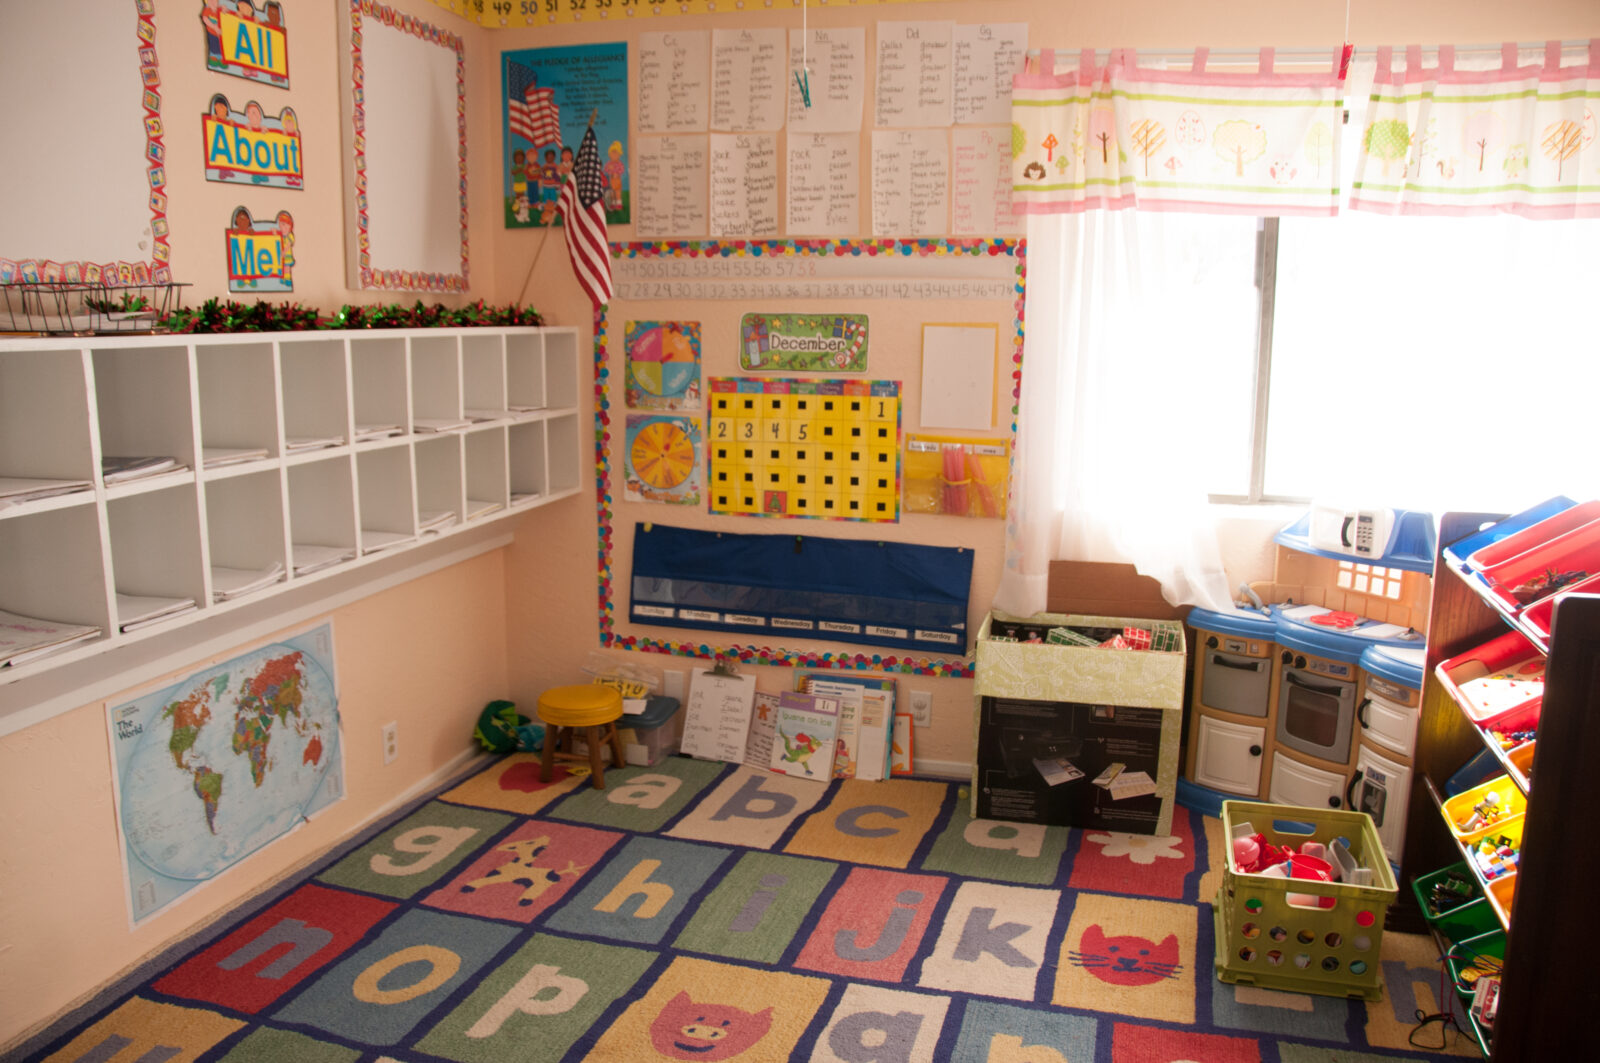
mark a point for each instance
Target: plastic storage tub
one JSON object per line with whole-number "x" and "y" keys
{"x": 1264, "y": 940}
{"x": 1458, "y": 810}
{"x": 1495, "y": 679}
{"x": 1472, "y": 916}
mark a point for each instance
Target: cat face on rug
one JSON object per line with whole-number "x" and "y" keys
{"x": 1126, "y": 960}
{"x": 686, "y": 1030}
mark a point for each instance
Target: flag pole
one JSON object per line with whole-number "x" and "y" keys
{"x": 546, "y": 237}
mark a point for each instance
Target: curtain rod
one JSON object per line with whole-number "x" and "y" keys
{"x": 1317, "y": 55}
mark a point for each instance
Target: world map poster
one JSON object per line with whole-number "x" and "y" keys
{"x": 222, "y": 763}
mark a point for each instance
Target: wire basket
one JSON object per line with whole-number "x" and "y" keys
{"x": 73, "y": 308}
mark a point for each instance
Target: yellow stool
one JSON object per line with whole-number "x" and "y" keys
{"x": 590, "y": 708}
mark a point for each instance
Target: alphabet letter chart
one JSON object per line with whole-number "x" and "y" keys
{"x": 805, "y": 448}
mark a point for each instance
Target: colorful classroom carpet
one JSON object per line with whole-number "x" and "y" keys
{"x": 701, "y": 911}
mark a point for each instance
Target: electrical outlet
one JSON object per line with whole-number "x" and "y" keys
{"x": 672, "y": 684}
{"x": 921, "y": 708}
{"x": 391, "y": 742}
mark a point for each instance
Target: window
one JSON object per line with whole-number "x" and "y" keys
{"x": 1425, "y": 363}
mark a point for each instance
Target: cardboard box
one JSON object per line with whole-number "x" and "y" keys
{"x": 1078, "y": 735}
{"x": 1103, "y": 589}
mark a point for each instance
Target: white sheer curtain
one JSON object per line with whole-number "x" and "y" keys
{"x": 1107, "y": 468}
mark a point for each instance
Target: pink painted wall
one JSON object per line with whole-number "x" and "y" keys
{"x": 509, "y": 623}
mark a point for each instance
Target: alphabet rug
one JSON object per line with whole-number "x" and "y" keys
{"x": 704, "y": 911}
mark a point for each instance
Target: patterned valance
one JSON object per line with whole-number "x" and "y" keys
{"x": 1111, "y": 136}
{"x": 1518, "y": 139}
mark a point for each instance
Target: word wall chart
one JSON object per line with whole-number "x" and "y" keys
{"x": 719, "y": 110}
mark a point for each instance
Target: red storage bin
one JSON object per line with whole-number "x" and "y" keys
{"x": 1492, "y": 681}
{"x": 1551, "y": 566}
{"x": 1540, "y": 616}
{"x": 1551, "y": 527}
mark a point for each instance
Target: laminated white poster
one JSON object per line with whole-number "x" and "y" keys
{"x": 910, "y": 182}
{"x": 673, "y": 82}
{"x": 915, "y": 74}
{"x": 744, "y": 184}
{"x": 747, "y": 83}
{"x": 980, "y": 181}
{"x": 669, "y": 186}
{"x": 829, "y": 97}
{"x": 987, "y": 56}
{"x": 824, "y": 193}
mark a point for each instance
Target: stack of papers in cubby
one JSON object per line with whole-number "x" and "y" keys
{"x": 373, "y": 541}
{"x": 431, "y": 522}
{"x": 296, "y": 444}
{"x": 15, "y": 490}
{"x": 365, "y": 433}
{"x": 480, "y": 415}
{"x": 314, "y": 557}
{"x": 25, "y": 638}
{"x": 480, "y": 507}
{"x": 214, "y": 457}
{"x": 519, "y": 497}
{"x": 230, "y": 583}
{"x": 439, "y": 424}
{"x": 135, "y": 611}
{"x": 121, "y": 470}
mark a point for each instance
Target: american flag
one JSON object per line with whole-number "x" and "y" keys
{"x": 533, "y": 111}
{"x": 584, "y": 213}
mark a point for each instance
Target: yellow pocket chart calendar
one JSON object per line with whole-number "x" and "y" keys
{"x": 805, "y": 448}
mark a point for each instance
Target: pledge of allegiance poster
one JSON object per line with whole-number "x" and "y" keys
{"x": 548, "y": 97}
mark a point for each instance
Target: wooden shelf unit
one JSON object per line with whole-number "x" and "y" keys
{"x": 1547, "y": 999}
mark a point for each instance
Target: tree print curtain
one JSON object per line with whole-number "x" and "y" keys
{"x": 1516, "y": 139}
{"x": 1119, "y": 135}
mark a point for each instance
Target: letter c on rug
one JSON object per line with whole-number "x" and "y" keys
{"x": 528, "y": 996}
{"x": 431, "y": 843}
{"x": 442, "y": 966}
{"x": 850, "y": 819}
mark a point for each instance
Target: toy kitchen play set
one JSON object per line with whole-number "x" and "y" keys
{"x": 1308, "y": 693}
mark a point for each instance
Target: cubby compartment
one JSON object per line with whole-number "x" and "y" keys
{"x": 387, "y": 512}
{"x": 238, "y": 402}
{"x": 156, "y": 553}
{"x": 525, "y": 359}
{"x": 322, "y": 515}
{"x": 380, "y": 391}
{"x": 440, "y": 491}
{"x": 245, "y": 530}
{"x": 486, "y": 472}
{"x": 44, "y": 415}
{"x": 316, "y": 395}
{"x": 435, "y": 383}
{"x": 525, "y": 448}
{"x": 143, "y": 397}
{"x": 483, "y": 377}
{"x": 51, "y": 567}
{"x": 564, "y": 443}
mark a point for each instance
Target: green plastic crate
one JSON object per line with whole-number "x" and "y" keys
{"x": 1468, "y": 919}
{"x": 1265, "y": 940}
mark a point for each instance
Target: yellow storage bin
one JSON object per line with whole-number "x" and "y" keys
{"x": 1464, "y": 811}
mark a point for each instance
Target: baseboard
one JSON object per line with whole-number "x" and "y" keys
{"x": 941, "y": 769}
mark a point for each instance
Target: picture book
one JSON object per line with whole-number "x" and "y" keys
{"x": 873, "y": 748}
{"x": 900, "y": 747}
{"x": 806, "y": 735}
{"x": 850, "y": 698}
{"x": 763, "y": 723}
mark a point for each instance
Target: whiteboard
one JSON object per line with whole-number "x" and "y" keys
{"x": 716, "y": 722}
{"x": 69, "y": 71}
{"x": 958, "y": 370}
{"x": 406, "y": 169}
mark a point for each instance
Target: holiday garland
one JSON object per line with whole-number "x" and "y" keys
{"x": 214, "y": 315}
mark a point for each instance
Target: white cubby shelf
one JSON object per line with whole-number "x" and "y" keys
{"x": 371, "y": 444}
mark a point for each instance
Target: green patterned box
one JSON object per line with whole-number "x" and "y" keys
{"x": 1077, "y": 735}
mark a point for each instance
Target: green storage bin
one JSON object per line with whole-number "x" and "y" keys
{"x": 1274, "y": 932}
{"x": 1491, "y": 946}
{"x": 1468, "y": 919}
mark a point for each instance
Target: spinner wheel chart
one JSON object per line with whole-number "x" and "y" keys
{"x": 662, "y": 455}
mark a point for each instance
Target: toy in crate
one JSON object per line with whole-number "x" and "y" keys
{"x": 1307, "y": 916}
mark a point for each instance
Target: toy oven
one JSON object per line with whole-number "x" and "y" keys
{"x": 1316, "y": 706}
{"x": 1233, "y": 679}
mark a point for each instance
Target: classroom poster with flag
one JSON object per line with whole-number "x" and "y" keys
{"x": 548, "y": 98}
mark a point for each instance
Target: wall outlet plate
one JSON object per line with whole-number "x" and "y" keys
{"x": 391, "y": 742}
{"x": 921, "y": 708}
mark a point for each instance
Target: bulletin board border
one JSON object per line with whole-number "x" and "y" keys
{"x": 944, "y": 667}
{"x": 404, "y": 280}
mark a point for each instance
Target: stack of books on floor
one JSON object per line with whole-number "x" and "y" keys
{"x": 27, "y": 638}
{"x": 230, "y": 583}
{"x": 314, "y": 557}
{"x": 136, "y": 611}
{"x": 121, "y": 470}
{"x": 15, "y": 490}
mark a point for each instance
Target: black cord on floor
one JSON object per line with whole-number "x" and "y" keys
{"x": 1445, "y": 1020}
